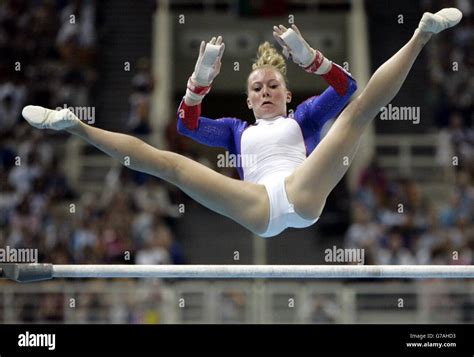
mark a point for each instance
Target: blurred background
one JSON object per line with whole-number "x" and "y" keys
{"x": 408, "y": 198}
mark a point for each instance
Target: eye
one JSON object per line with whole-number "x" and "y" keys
{"x": 257, "y": 89}
{"x": 273, "y": 86}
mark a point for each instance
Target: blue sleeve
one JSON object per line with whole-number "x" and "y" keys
{"x": 210, "y": 132}
{"x": 314, "y": 112}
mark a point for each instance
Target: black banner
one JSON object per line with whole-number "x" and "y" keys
{"x": 396, "y": 340}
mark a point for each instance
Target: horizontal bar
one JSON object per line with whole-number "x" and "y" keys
{"x": 33, "y": 272}
{"x": 263, "y": 271}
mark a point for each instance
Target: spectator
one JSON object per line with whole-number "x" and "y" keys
{"x": 21, "y": 177}
{"x": 395, "y": 253}
{"x": 363, "y": 232}
{"x": 156, "y": 248}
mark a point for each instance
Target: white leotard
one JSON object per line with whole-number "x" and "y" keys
{"x": 271, "y": 148}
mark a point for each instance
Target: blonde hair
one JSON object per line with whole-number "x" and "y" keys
{"x": 268, "y": 57}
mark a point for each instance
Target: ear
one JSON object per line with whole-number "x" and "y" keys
{"x": 248, "y": 104}
{"x": 289, "y": 95}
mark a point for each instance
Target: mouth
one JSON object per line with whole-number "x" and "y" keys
{"x": 266, "y": 102}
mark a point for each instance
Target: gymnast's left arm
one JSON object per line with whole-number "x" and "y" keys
{"x": 341, "y": 84}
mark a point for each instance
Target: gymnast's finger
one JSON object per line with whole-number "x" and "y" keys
{"x": 277, "y": 30}
{"x": 296, "y": 29}
{"x": 278, "y": 39}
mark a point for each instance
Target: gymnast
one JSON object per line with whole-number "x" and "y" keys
{"x": 295, "y": 170}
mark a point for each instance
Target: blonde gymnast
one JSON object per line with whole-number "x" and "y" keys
{"x": 294, "y": 171}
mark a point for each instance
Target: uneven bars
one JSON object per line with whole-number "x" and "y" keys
{"x": 36, "y": 272}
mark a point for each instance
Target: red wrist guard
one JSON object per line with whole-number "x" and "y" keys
{"x": 190, "y": 115}
{"x": 338, "y": 79}
{"x": 196, "y": 89}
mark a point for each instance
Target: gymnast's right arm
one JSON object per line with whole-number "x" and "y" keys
{"x": 190, "y": 123}
{"x": 208, "y": 66}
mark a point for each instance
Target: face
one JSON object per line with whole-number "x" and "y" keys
{"x": 267, "y": 93}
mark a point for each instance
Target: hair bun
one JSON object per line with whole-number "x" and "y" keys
{"x": 267, "y": 56}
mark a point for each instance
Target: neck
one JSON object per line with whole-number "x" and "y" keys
{"x": 270, "y": 119}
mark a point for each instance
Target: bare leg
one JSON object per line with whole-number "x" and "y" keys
{"x": 244, "y": 202}
{"x": 309, "y": 186}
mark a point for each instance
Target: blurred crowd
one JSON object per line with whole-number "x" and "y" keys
{"x": 396, "y": 224}
{"x": 139, "y": 100}
{"x": 450, "y": 58}
{"x": 451, "y": 91}
{"x": 39, "y": 209}
{"x": 48, "y": 57}
{"x": 48, "y": 54}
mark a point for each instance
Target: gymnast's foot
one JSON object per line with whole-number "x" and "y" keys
{"x": 442, "y": 20}
{"x": 43, "y": 118}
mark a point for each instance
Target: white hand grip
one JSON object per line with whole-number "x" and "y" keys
{"x": 203, "y": 71}
{"x": 298, "y": 48}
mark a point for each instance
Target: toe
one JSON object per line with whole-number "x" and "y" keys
{"x": 33, "y": 114}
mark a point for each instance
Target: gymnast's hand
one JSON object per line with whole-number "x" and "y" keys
{"x": 207, "y": 68}
{"x": 295, "y": 47}
{"x": 208, "y": 64}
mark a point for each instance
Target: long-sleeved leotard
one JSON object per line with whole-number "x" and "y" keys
{"x": 279, "y": 145}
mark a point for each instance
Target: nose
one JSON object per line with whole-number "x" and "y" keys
{"x": 265, "y": 91}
